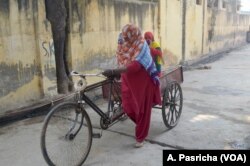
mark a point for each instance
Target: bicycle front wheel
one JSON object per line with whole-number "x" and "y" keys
{"x": 66, "y": 136}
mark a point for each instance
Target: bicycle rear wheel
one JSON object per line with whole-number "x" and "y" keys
{"x": 66, "y": 136}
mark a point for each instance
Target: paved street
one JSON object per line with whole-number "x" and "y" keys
{"x": 215, "y": 115}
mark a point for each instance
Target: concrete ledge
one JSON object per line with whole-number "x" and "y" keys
{"x": 37, "y": 109}
{"x": 208, "y": 58}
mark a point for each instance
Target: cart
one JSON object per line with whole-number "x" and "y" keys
{"x": 171, "y": 93}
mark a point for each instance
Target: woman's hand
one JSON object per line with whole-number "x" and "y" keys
{"x": 114, "y": 72}
{"x": 108, "y": 73}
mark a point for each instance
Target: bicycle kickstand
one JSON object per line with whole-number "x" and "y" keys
{"x": 97, "y": 135}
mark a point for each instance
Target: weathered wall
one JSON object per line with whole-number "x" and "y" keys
{"x": 27, "y": 62}
{"x": 185, "y": 30}
{"x": 225, "y": 30}
{"x": 193, "y": 28}
{"x": 171, "y": 14}
{"x": 20, "y": 62}
{"x": 95, "y": 26}
{"x": 210, "y": 30}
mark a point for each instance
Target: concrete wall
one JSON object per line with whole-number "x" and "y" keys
{"x": 171, "y": 14}
{"x": 25, "y": 55}
{"x": 95, "y": 26}
{"x": 225, "y": 30}
{"x": 210, "y": 30}
{"x": 186, "y": 31}
{"x": 27, "y": 60}
{"x": 194, "y": 29}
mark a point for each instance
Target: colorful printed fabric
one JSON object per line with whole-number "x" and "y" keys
{"x": 157, "y": 55}
{"x": 134, "y": 47}
{"x": 155, "y": 50}
{"x": 145, "y": 59}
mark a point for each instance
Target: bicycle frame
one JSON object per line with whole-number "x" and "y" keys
{"x": 113, "y": 89}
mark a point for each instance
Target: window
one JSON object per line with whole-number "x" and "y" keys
{"x": 150, "y": 0}
{"x": 210, "y": 3}
{"x": 238, "y": 7}
{"x": 224, "y": 4}
{"x": 198, "y": 2}
{"x": 216, "y": 3}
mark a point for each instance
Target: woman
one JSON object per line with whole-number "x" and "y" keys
{"x": 140, "y": 83}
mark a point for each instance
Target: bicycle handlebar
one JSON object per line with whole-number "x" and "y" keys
{"x": 74, "y": 73}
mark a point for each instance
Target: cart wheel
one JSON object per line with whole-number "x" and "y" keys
{"x": 172, "y": 105}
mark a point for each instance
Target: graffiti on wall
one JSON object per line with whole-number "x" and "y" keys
{"x": 48, "y": 48}
{"x": 48, "y": 52}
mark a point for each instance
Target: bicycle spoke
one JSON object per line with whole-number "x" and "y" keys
{"x": 172, "y": 116}
{"x": 176, "y": 112}
{"x": 65, "y": 139}
{"x": 74, "y": 124}
{"x": 167, "y": 115}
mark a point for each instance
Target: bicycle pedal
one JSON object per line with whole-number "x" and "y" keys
{"x": 96, "y": 135}
{"x": 124, "y": 117}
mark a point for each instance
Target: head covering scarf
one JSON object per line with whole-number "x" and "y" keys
{"x": 149, "y": 35}
{"x": 132, "y": 46}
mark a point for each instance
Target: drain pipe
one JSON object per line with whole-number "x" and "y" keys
{"x": 248, "y": 35}
{"x": 184, "y": 9}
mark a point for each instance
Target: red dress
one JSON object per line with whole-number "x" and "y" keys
{"x": 139, "y": 94}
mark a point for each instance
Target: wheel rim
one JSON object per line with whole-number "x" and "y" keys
{"x": 172, "y": 105}
{"x": 59, "y": 145}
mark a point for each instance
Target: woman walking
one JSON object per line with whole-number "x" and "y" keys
{"x": 140, "y": 82}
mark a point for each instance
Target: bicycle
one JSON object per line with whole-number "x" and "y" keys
{"x": 68, "y": 122}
